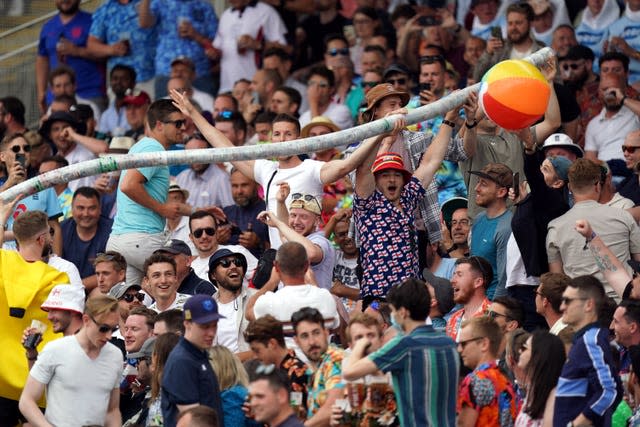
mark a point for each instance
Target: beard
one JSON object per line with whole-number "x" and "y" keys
{"x": 47, "y": 250}
{"x": 71, "y": 9}
{"x": 231, "y": 287}
{"x": 518, "y": 38}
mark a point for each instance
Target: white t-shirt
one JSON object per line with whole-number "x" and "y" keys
{"x": 78, "y": 388}
{"x": 289, "y": 299}
{"x": 227, "y": 334}
{"x": 77, "y": 155}
{"x": 304, "y": 178}
{"x": 201, "y": 265}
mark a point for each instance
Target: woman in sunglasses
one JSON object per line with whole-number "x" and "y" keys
{"x": 80, "y": 372}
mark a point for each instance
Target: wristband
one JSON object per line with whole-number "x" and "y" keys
{"x": 449, "y": 123}
{"x": 473, "y": 124}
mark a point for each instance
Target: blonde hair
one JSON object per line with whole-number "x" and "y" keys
{"x": 100, "y": 305}
{"x": 227, "y": 367}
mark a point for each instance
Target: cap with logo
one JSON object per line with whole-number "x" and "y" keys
{"x": 390, "y": 161}
{"x": 562, "y": 141}
{"x": 65, "y": 297}
{"x": 201, "y": 309}
{"x": 175, "y": 247}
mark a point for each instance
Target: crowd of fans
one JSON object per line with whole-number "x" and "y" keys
{"x": 449, "y": 272}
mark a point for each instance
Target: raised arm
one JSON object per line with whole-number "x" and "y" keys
{"x": 432, "y": 158}
{"x": 314, "y": 252}
{"x": 336, "y": 169}
{"x": 213, "y": 135}
{"x": 365, "y": 183}
{"x": 552, "y": 119}
{"x": 145, "y": 17}
{"x": 610, "y": 266}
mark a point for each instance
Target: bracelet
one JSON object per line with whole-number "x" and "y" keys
{"x": 449, "y": 123}
{"x": 588, "y": 240}
{"x": 473, "y": 124}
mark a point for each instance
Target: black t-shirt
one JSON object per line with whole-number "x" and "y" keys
{"x": 569, "y": 108}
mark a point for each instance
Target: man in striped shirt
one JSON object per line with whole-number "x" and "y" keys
{"x": 424, "y": 363}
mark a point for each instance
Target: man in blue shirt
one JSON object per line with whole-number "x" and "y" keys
{"x": 588, "y": 389}
{"x": 188, "y": 379}
{"x": 63, "y": 40}
{"x": 491, "y": 228}
{"x": 138, "y": 227}
{"x": 187, "y": 27}
{"x": 85, "y": 234}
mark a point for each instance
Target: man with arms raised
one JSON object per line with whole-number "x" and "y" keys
{"x": 306, "y": 177}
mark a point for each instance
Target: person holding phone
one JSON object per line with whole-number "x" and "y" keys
{"x": 518, "y": 44}
{"x": 15, "y": 153}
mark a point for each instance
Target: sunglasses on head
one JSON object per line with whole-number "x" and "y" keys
{"x": 306, "y": 198}
{"x": 265, "y": 369}
{"x": 209, "y": 230}
{"x": 226, "y": 262}
{"x": 25, "y": 148}
{"x": 629, "y": 148}
{"x": 177, "y": 123}
{"x": 103, "y": 328}
{"x": 335, "y": 52}
{"x": 430, "y": 59}
{"x": 130, "y": 297}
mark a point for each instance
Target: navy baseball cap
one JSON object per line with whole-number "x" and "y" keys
{"x": 201, "y": 309}
{"x": 223, "y": 253}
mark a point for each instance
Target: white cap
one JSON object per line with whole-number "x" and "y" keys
{"x": 563, "y": 141}
{"x": 65, "y": 297}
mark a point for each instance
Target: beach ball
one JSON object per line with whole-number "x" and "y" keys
{"x": 514, "y": 94}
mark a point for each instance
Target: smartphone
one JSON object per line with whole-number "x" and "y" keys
{"x": 516, "y": 184}
{"x": 22, "y": 159}
{"x": 424, "y": 86}
{"x": 496, "y": 32}
{"x": 255, "y": 97}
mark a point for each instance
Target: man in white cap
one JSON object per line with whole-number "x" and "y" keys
{"x": 64, "y": 307}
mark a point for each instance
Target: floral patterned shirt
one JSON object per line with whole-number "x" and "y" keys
{"x": 488, "y": 391}
{"x": 327, "y": 377}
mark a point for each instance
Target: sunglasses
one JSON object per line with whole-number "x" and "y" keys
{"x": 629, "y": 148}
{"x": 103, "y": 328}
{"x": 225, "y": 114}
{"x": 566, "y": 67}
{"x": 25, "y": 148}
{"x": 399, "y": 81}
{"x": 180, "y": 123}
{"x": 464, "y": 343}
{"x": 226, "y": 262}
{"x": 209, "y": 230}
{"x": 130, "y": 297}
{"x": 335, "y": 52}
{"x": 306, "y": 198}
{"x": 567, "y": 300}
{"x": 369, "y": 84}
{"x": 495, "y": 315}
